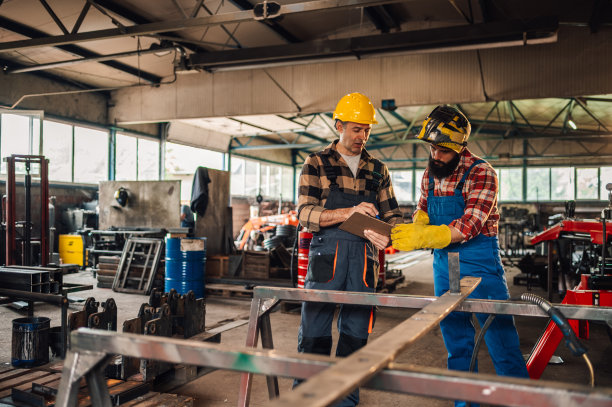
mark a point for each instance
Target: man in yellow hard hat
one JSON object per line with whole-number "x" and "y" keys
{"x": 457, "y": 212}
{"x": 335, "y": 183}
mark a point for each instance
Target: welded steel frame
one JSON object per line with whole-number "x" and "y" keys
{"x": 364, "y": 367}
{"x": 85, "y": 359}
{"x": 263, "y": 295}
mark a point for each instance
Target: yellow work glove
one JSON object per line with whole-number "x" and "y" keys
{"x": 421, "y": 217}
{"x": 412, "y": 236}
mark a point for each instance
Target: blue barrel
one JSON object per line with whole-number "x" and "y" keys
{"x": 185, "y": 265}
{"x": 30, "y": 342}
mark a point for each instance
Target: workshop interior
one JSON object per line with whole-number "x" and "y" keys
{"x": 153, "y": 154}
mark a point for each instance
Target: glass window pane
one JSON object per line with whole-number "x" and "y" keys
{"x": 90, "y": 155}
{"x": 274, "y": 183}
{"x": 562, "y": 183}
{"x": 511, "y": 184}
{"x": 237, "y": 176}
{"x": 606, "y": 178}
{"x": 182, "y": 162}
{"x": 402, "y": 185}
{"x": 287, "y": 183}
{"x": 251, "y": 178}
{"x": 35, "y": 136}
{"x": 264, "y": 179}
{"x": 125, "y": 159}
{"x": 148, "y": 160}
{"x": 57, "y": 148}
{"x": 418, "y": 176}
{"x": 587, "y": 183}
{"x": 15, "y": 136}
{"x": 538, "y": 184}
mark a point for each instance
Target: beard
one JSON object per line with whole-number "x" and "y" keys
{"x": 440, "y": 169}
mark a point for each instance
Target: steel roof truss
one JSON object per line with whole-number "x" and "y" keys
{"x": 81, "y": 17}
{"x": 54, "y": 16}
{"x": 584, "y": 107}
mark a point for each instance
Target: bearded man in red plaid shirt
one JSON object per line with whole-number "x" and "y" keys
{"x": 457, "y": 212}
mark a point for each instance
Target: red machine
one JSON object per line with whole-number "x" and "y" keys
{"x": 263, "y": 224}
{"x": 594, "y": 287}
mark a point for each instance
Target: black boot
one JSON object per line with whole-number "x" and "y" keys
{"x": 321, "y": 345}
{"x": 348, "y": 344}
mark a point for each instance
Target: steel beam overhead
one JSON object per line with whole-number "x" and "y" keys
{"x": 74, "y": 49}
{"x": 128, "y": 14}
{"x": 272, "y": 24}
{"x": 185, "y": 24}
{"x": 357, "y": 369}
{"x": 478, "y": 36}
{"x": 101, "y": 58}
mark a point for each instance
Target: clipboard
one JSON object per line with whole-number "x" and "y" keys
{"x": 358, "y": 222}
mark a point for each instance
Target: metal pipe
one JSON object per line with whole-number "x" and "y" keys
{"x": 28, "y": 296}
{"x": 11, "y": 244}
{"x": 27, "y": 231}
{"x": 583, "y": 312}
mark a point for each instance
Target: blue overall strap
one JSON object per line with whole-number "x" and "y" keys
{"x": 467, "y": 173}
{"x": 372, "y": 185}
{"x": 331, "y": 172}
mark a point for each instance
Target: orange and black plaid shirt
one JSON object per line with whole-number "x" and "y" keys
{"x": 479, "y": 192}
{"x": 314, "y": 186}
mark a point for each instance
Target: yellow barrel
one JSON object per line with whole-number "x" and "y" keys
{"x": 71, "y": 249}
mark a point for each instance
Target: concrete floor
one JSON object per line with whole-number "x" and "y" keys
{"x": 220, "y": 388}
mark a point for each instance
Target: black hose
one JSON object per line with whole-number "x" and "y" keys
{"x": 483, "y": 331}
{"x": 571, "y": 340}
{"x": 558, "y": 318}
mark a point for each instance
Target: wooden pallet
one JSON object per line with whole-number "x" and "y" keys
{"x": 40, "y": 385}
{"x": 228, "y": 291}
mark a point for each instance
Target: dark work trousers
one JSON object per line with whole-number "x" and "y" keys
{"x": 340, "y": 261}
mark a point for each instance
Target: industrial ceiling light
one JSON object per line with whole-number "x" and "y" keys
{"x": 571, "y": 123}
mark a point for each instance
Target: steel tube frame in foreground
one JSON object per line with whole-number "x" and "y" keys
{"x": 86, "y": 360}
{"x": 260, "y": 294}
{"x": 519, "y": 308}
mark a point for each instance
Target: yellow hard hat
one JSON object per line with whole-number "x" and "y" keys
{"x": 355, "y": 108}
{"x": 446, "y": 127}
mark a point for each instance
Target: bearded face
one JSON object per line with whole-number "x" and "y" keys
{"x": 443, "y": 163}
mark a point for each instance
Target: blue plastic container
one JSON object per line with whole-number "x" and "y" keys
{"x": 186, "y": 265}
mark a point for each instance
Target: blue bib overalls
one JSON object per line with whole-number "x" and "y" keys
{"x": 339, "y": 260}
{"x": 478, "y": 257}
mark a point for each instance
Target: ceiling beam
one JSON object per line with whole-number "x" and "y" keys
{"x": 185, "y": 24}
{"x": 382, "y": 18}
{"x": 478, "y": 36}
{"x": 76, "y": 50}
{"x": 52, "y": 65}
{"x": 272, "y": 24}
{"x": 134, "y": 17}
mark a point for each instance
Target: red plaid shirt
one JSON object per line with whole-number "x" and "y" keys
{"x": 479, "y": 192}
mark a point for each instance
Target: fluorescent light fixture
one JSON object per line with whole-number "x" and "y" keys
{"x": 571, "y": 123}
